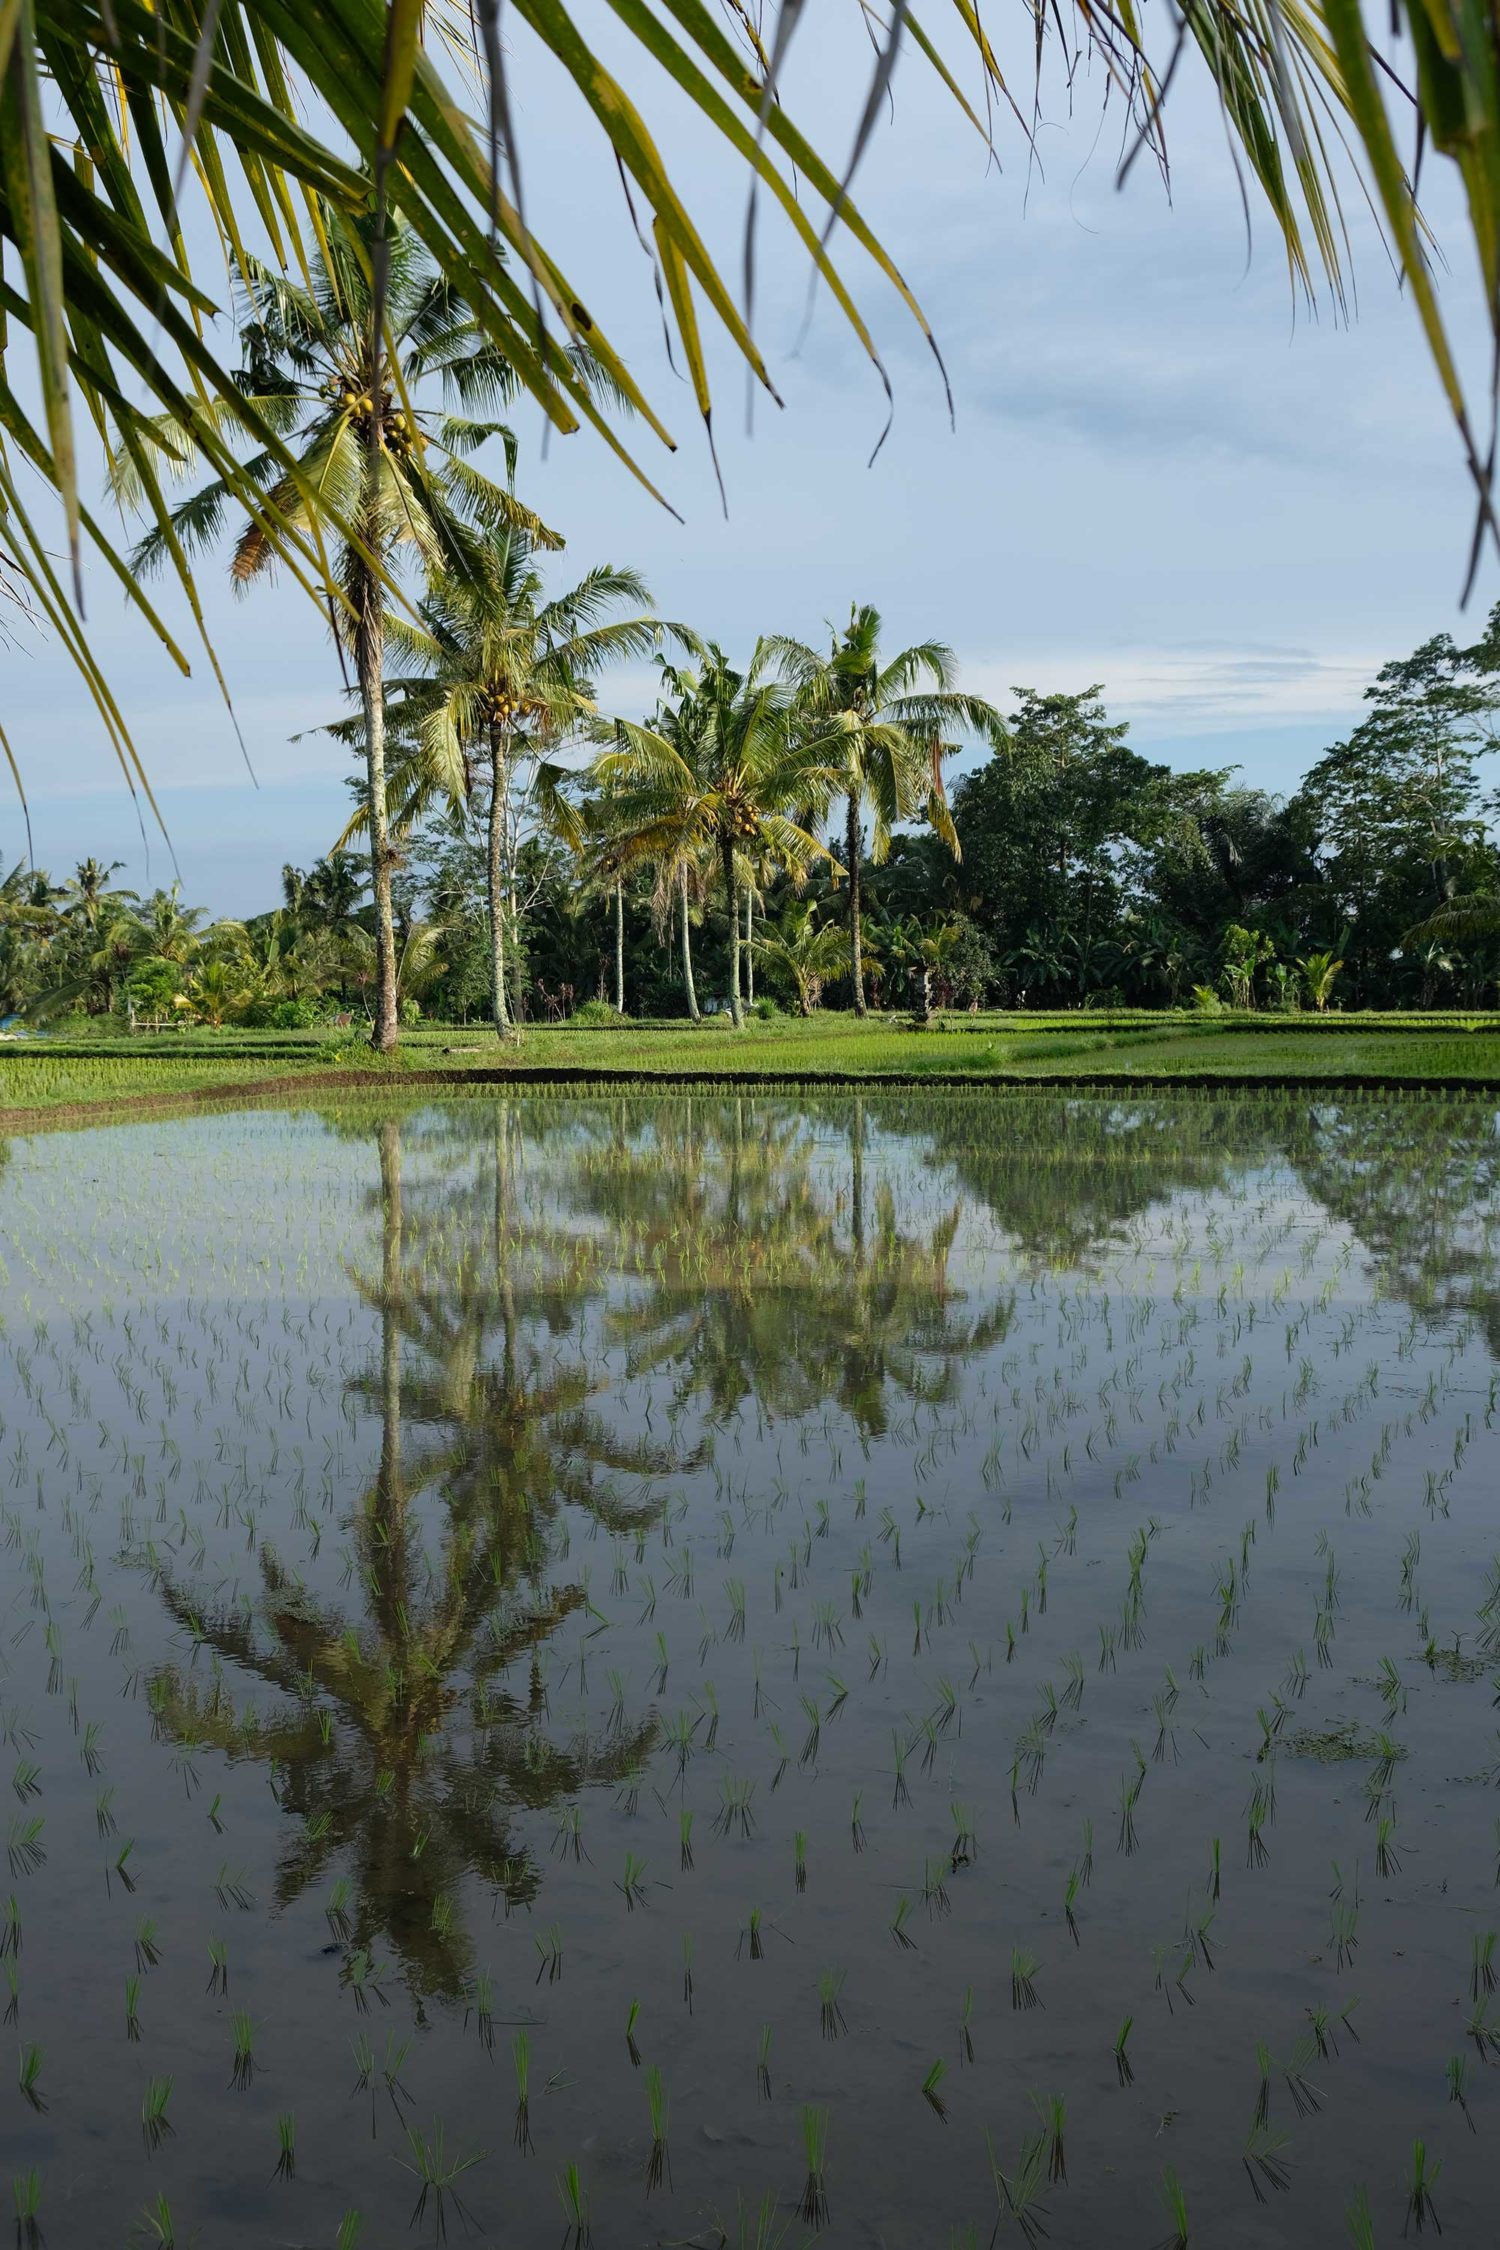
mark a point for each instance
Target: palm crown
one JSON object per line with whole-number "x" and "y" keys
{"x": 723, "y": 770}
{"x": 884, "y": 727}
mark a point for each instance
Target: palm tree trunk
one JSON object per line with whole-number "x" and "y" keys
{"x": 369, "y": 657}
{"x": 620, "y": 949}
{"x": 857, "y": 1180}
{"x": 499, "y": 1012}
{"x": 389, "y": 1145}
{"x": 687, "y": 945}
{"x": 732, "y": 901}
{"x": 852, "y": 845}
{"x": 749, "y": 949}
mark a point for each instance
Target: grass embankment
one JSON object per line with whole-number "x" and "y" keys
{"x": 72, "y": 1077}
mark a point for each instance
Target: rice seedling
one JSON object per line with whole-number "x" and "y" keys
{"x": 763, "y": 2064}
{"x": 1130, "y": 1793}
{"x": 632, "y": 2018}
{"x": 159, "y": 2225}
{"x": 26, "y": 2194}
{"x": 1306, "y": 2098}
{"x": 899, "y": 1921}
{"x": 25, "y": 1848}
{"x": 685, "y": 1840}
{"x": 1456, "y": 2073}
{"x": 736, "y": 1815}
{"x": 436, "y": 2172}
{"x": 659, "y": 2163}
{"x": 1020, "y": 2193}
{"x": 813, "y": 2205}
{"x": 1422, "y": 2178}
{"x": 1387, "y": 1860}
{"x": 1123, "y": 2068}
{"x": 751, "y": 1939}
{"x": 1358, "y": 2221}
{"x": 10, "y": 1928}
{"x": 814, "y": 1736}
{"x": 156, "y": 2126}
{"x": 1482, "y": 1973}
{"x": 1485, "y": 2035}
{"x": 632, "y": 1884}
{"x": 900, "y": 1750}
{"x": 830, "y": 2013}
{"x": 1264, "y": 2161}
{"x": 857, "y": 1826}
{"x": 1053, "y": 2113}
{"x": 1023, "y": 1969}
{"x": 550, "y": 1946}
{"x": 1173, "y": 2197}
{"x": 286, "y": 2138}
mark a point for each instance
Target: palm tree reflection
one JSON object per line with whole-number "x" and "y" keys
{"x": 401, "y": 1737}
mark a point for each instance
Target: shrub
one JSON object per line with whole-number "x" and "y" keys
{"x": 596, "y": 1012}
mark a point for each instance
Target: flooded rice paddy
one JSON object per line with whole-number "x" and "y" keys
{"x": 920, "y": 1670}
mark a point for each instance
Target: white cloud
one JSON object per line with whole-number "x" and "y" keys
{"x": 1194, "y": 687}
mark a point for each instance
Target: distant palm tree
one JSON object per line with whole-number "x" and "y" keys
{"x": 806, "y": 951}
{"x": 886, "y": 725}
{"x": 396, "y": 475}
{"x": 510, "y": 678}
{"x": 720, "y": 770}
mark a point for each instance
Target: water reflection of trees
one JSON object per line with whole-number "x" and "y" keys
{"x": 400, "y": 1737}
{"x": 762, "y": 1280}
{"x": 1417, "y": 1182}
{"x": 1414, "y": 1177}
{"x": 539, "y": 1259}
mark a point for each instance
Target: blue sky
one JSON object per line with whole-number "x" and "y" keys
{"x": 1165, "y": 476}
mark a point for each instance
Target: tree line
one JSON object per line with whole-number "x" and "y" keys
{"x": 779, "y": 834}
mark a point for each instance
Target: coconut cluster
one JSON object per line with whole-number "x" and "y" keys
{"x": 359, "y": 405}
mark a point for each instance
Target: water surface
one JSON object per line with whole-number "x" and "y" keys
{"x": 782, "y": 1594}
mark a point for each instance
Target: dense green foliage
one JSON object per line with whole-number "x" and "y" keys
{"x": 1084, "y": 875}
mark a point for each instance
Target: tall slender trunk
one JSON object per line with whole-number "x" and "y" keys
{"x": 749, "y": 949}
{"x": 369, "y": 664}
{"x": 369, "y": 660}
{"x": 499, "y": 1011}
{"x": 732, "y": 901}
{"x": 620, "y": 948}
{"x": 687, "y": 944}
{"x": 852, "y": 846}
{"x": 389, "y": 1495}
{"x": 857, "y": 1180}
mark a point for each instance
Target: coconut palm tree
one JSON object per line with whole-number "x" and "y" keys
{"x": 395, "y": 474}
{"x": 721, "y": 769}
{"x": 806, "y": 951}
{"x": 887, "y": 723}
{"x": 508, "y": 680}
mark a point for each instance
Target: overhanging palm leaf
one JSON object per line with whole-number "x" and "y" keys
{"x": 111, "y": 308}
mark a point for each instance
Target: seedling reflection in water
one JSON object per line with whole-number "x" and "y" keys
{"x": 521, "y": 2054}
